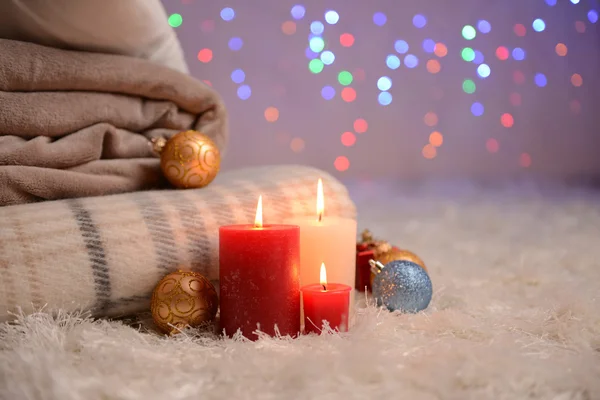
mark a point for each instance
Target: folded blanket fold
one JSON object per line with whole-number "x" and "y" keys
{"x": 67, "y": 116}
{"x": 106, "y": 254}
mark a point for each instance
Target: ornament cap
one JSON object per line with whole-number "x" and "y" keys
{"x": 158, "y": 144}
{"x": 376, "y": 266}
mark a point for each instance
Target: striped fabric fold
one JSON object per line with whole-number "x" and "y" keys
{"x": 105, "y": 254}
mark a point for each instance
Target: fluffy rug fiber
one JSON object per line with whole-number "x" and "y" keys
{"x": 515, "y": 315}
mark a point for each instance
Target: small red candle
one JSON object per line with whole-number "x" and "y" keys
{"x": 259, "y": 278}
{"x": 326, "y": 302}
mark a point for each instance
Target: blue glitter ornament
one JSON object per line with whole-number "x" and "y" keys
{"x": 401, "y": 285}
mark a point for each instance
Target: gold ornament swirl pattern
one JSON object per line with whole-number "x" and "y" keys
{"x": 183, "y": 298}
{"x": 190, "y": 159}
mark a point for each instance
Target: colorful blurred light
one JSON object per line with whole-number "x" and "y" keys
{"x": 328, "y": 92}
{"x": 561, "y": 49}
{"x": 502, "y": 53}
{"x": 507, "y": 120}
{"x": 525, "y": 159}
{"x": 467, "y": 54}
{"x": 540, "y": 79}
{"x": 518, "y": 77}
{"x": 538, "y": 25}
{"x": 483, "y": 70}
{"x": 346, "y": 39}
{"x": 297, "y": 145}
{"x": 477, "y": 109}
{"x": 430, "y": 119}
{"x": 479, "y": 58}
{"x": 332, "y": 17}
{"x": 392, "y": 61}
{"x": 327, "y": 57}
{"x": 348, "y": 94}
{"x": 520, "y": 30}
{"x": 175, "y": 20}
{"x": 235, "y": 43}
{"x": 492, "y": 145}
{"x": 411, "y": 61}
{"x": 592, "y": 16}
{"x": 288, "y": 27}
{"x": 384, "y": 98}
{"x": 401, "y": 46}
{"x": 436, "y": 139}
{"x": 469, "y": 86}
{"x": 484, "y": 26}
{"x": 205, "y": 55}
{"x": 310, "y": 54}
{"x": 379, "y": 19}
{"x": 316, "y": 44}
{"x": 238, "y": 76}
{"x": 384, "y": 83}
{"x": 341, "y": 163}
{"x": 315, "y": 66}
{"x": 419, "y": 21}
{"x": 345, "y": 78}
{"x": 317, "y": 27}
{"x": 429, "y": 151}
{"x": 468, "y": 32}
{"x": 440, "y": 50}
{"x": 518, "y": 54}
{"x": 348, "y": 139}
{"x": 271, "y": 114}
{"x": 576, "y": 80}
{"x": 575, "y": 1}
{"x": 551, "y": 2}
{"x": 244, "y": 92}
{"x": 433, "y": 66}
{"x": 298, "y": 11}
{"x": 227, "y": 14}
{"x": 360, "y": 125}
{"x": 428, "y": 45}
{"x": 580, "y": 26}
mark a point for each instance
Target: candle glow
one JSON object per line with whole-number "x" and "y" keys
{"x": 258, "y": 220}
{"x": 323, "y": 276}
{"x": 320, "y": 200}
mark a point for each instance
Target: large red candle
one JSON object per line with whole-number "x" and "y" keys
{"x": 259, "y": 278}
{"x": 326, "y": 302}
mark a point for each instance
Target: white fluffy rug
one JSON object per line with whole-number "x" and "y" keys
{"x": 515, "y": 315}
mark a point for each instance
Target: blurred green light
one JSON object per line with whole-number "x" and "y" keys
{"x": 317, "y": 44}
{"x": 468, "y": 54}
{"x": 315, "y": 66}
{"x": 175, "y": 20}
{"x": 468, "y": 86}
{"x": 468, "y": 32}
{"x": 345, "y": 78}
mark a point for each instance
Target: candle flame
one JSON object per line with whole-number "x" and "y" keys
{"x": 320, "y": 200}
{"x": 323, "y": 276}
{"x": 258, "y": 220}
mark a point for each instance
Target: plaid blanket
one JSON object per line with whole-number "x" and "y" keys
{"x": 105, "y": 254}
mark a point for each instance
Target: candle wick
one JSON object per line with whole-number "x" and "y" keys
{"x": 324, "y": 288}
{"x": 320, "y": 217}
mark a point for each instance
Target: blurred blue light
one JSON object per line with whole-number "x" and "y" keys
{"x": 227, "y": 14}
{"x": 401, "y": 46}
{"x": 593, "y": 16}
{"x": 575, "y": 1}
{"x": 316, "y": 44}
{"x": 384, "y": 98}
{"x": 419, "y": 21}
{"x": 327, "y": 57}
{"x": 392, "y": 62}
{"x": 411, "y": 61}
{"x": 478, "y": 57}
{"x": 538, "y": 25}
{"x": 384, "y": 83}
{"x": 238, "y": 76}
{"x": 317, "y": 27}
{"x": 540, "y": 80}
{"x": 244, "y": 92}
{"x": 484, "y": 26}
{"x": 332, "y": 17}
{"x": 235, "y": 43}
{"x": 551, "y": 2}
{"x": 328, "y": 92}
{"x": 379, "y": 19}
{"x": 477, "y": 109}
{"x": 310, "y": 54}
{"x": 518, "y": 54}
{"x": 483, "y": 70}
{"x": 428, "y": 45}
{"x": 298, "y": 11}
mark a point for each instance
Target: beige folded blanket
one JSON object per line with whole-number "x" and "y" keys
{"x": 106, "y": 254}
{"x": 75, "y": 124}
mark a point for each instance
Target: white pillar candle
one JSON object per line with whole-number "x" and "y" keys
{"x": 329, "y": 240}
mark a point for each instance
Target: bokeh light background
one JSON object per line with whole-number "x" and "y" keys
{"x": 411, "y": 89}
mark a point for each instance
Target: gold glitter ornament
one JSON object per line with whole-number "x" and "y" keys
{"x": 398, "y": 254}
{"x": 189, "y": 160}
{"x": 183, "y": 298}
